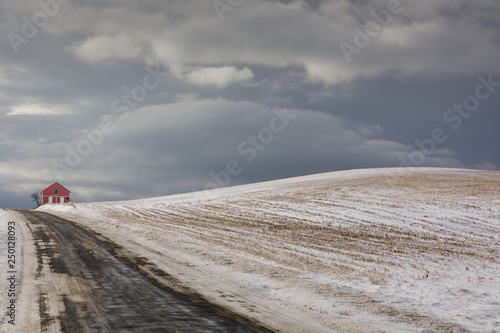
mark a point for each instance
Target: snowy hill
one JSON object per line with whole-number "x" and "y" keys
{"x": 394, "y": 249}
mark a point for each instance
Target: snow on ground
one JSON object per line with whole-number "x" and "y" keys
{"x": 361, "y": 250}
{"x": 4, "y": 283}
{"x": 23, "y": 316}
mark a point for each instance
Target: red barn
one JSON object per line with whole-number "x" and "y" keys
{"x": 55, "y": 193}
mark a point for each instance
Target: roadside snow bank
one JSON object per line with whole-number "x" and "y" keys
{"x": 17, "y": 268}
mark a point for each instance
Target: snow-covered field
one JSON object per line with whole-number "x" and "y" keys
{"x": 392, "y": 250}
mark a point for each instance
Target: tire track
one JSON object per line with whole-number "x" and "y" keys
{"x": 92, "y": 289}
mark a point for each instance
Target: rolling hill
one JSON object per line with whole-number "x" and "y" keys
{"x": 393, "y": 250}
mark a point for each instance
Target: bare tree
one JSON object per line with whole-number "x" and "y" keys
{"x": 35, "y": 197}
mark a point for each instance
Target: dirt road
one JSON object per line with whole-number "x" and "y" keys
{"x": 86, "y": 284}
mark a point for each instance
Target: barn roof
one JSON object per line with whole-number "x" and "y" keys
{"x": 57, "y": 184}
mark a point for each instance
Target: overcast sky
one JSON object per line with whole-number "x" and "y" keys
{"x": 121, "y": 99}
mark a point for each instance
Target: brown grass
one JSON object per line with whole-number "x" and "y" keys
{"x": 341, "y": 226}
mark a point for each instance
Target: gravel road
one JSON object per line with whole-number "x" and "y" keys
{"x": 87, "y": 285}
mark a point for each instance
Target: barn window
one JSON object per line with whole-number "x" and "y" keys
{"x": 55, "y": 191}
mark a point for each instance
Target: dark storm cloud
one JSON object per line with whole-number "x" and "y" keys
{"x": 220, "y": 81}
{"x": 189, "y": 144}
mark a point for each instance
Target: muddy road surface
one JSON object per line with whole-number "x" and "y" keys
{"x": 86, "y": 284}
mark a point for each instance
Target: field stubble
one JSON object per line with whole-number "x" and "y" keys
{"x": 344, "y": 246}
{"x": 364, "y": 228}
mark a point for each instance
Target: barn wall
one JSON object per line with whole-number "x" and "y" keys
{"x": 63, "y": 195}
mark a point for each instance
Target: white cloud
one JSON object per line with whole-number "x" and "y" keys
{"x": 219, "y": 76}
{"x": 109, "y": 48}
{"x": 37, "y": 109}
